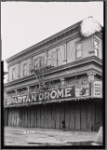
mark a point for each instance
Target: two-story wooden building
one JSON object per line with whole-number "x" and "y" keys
{"x": 69, "y": 63}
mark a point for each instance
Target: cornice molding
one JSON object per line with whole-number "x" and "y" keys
{"x": 47, "y": 41}
{"x": 75, "y": 64}
{"x": 44, "y": 49}
{"x": 54, "y": 101}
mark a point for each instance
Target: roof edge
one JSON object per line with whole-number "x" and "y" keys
{"x": 45, "y": 41}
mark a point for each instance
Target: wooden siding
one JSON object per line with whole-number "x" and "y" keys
{"x": 100, "y": 46}
{"x": 69, "y": 49}
{"x": 87, "y": 46}
{"x": 79, "y": 115}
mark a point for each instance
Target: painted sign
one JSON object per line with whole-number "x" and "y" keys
{"x": 82, "y": 90}
{"x": 55, "y": 94}
{"x": 97, "y": 89}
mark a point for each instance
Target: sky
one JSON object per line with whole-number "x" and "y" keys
{"x": 24, "y": 24}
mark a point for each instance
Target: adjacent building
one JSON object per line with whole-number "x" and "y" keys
{"x": 56, "y": 81}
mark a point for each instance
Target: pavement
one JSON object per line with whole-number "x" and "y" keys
{"x": 15, "y": 136}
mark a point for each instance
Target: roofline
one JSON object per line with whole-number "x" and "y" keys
{"x": 45, "y": 40}
{"x": 51, "y": 38}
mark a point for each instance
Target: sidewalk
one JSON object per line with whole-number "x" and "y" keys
{"x": 34, "y": 136}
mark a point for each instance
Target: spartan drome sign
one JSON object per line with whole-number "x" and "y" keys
{"x": 55, "y": 94}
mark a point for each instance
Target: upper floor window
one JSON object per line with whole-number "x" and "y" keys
{"x": 56, "y": 56}
{"x": 42, "y": 61}
{"x": 79, "y": 50}
{"x": 13, "y": 73}
{"x": 96, "y": 46}
{"x": 37, "y": 63}
{"x": 52, "y": 58}
{"x": 25, "y": 69}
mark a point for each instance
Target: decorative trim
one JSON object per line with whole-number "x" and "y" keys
{"x": 42, "y": 50}
{"x": 54, "y": 101}
{"x": 46, "y": 41}
{"x": 57, "y": 69}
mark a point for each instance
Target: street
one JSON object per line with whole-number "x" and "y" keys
{"x": 16, "y": 136}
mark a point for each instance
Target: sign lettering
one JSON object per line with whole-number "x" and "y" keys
{"x": 97, "y": 89}
{"x": 73, "y": 91}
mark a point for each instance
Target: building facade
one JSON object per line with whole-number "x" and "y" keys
{"x": 57, "y": 80}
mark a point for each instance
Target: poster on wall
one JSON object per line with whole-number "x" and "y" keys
{"x": 97, "y": 89}
{"x": 82, "y": 90}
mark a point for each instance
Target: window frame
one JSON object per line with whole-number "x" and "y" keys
{"x": 76, "y": 43}
{"x": 37, "y": 59}
{"x": 95, "y": 39}
{"x": 14, "y": 73}
{"x": 41, "y": 61}
{"x": 24, "y": 70}
{"x": 57, "y": 61}
{"x": 50, "y": 54}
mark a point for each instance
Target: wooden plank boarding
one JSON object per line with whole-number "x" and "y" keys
{"x": 25, "y": 110}
{"x": 89, "y": 116}
{"x": 32, "y": 116}
{"x": 67, "y": 116}
{"x": 54, "y": 116}
{"x": 83, "y": 117}
{"x": 92, "y": 115}
{"x": 57, "y": 111}
{"x": 17, "y": 117}
{"x": 38, "y": 117}
{"x": 61, "y": 115}
{"x": 45, "y": 116}
{"x": 77, "y": 116}
{"x": 71, "y": 113}
{"x": 14, "y": 124}
{"x": 42, "y": 117}
{"x": 35, "y": 116}
{"x": 48, "y": 116}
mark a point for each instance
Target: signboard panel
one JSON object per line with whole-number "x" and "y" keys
{"x": 97, "y": 89}
{"x": 53, "y": 94}
{"x": 82, "y": 90}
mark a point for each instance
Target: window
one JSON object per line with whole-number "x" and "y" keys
{"x": 56, "y": 56}
{"x": 52, "y": 60}
{"x": 25, "y": 69}
{"x": 61, "y": 55}
{"x": 42, "y": 61}
{"x": 37, "y": 63}
{"x": 78, "y": 50}
{"x": 13, "y": 73}
{"x": 96, "y": 46}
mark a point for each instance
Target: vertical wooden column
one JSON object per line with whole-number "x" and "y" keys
{"x": 31, "y": 64}
{"x": 16, "y": 93}
{"x": 77, "y": 116}
{"x": 8, "y": 74}
{"x": 19, "y": 69}
{"x": 65, "y": 53}
{"x": 91, "y": 75}
{"x": 67, "y": 116}
{"x": 72, "y": 115}
{"x": 28, "y": 89}
{"x": 62, "y": 82}
{"x": 83, "y": 116}
{"x": 89, "y": 116}
{"x": 91, "y": 78}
